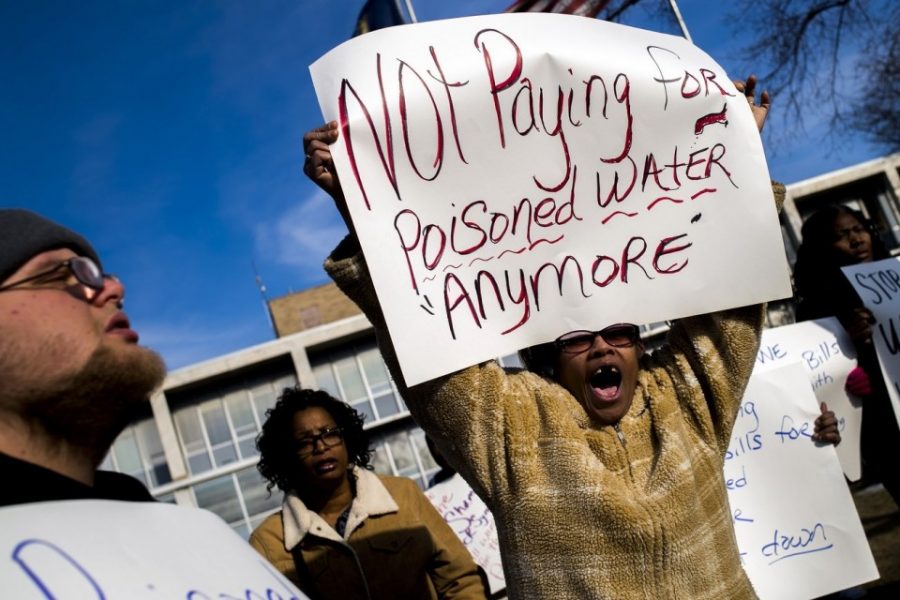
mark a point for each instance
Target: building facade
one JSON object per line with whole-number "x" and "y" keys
{"x": 195, "y": 445}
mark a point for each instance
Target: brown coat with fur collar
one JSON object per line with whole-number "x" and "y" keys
{"x": 397, "y": 546}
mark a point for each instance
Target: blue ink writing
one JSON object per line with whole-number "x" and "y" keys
{"x": 32, "y": 574}
{"x": 884, "y": 284}
{"x": 745, "y": 437}
{"x": 738, "y": 517}
{"x": 806, "y": 541}
{"x": 770, "y": 354}
{"x": 738, "y": 482}
{"x": 820, "y": 355}
{"x": 789, "y": 432}
{"x": 37, "y": 565}
{"x": 821, "y": 379}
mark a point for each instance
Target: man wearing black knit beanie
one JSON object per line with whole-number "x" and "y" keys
{"x": 72, "y": 373}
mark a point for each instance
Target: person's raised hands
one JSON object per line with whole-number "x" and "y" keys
{"x": 825, "y": 429}
{"x": 319, "y": 165}
{"x": 858, "y": 324}
{"x": 759, "y": 109}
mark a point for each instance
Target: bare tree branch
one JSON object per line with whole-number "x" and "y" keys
{"x": 828, "y": 53}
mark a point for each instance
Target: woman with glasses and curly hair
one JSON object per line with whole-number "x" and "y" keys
{"x": 833, "y": 237}
{"x": 343, "y": 531}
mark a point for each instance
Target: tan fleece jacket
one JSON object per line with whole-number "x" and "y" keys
{"x": 589, "y": 511}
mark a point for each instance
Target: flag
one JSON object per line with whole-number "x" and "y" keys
{"x": 589, "y": 8}
{"x": 585, "y": 8}
{"x": 376, "y": 14}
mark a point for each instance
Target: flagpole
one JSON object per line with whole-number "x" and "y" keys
{"x": 265, "y": 300}
{"x": 410, "y": 11}
{"x": 680, "y": 19}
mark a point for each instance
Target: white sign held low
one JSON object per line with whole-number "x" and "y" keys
{"x": 512, "y": 177}
{"x": 473, "y": 523}
{"x": 796, "y": 525}
{"x": 827, "y": 355}
{"x": 93, "y": 549}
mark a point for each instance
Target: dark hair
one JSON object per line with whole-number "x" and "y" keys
{"x": 541, "y": 359}
{"x": 821, "y": 289}
{"x": 277, "y": 460}
{"x": 817, "y": 258}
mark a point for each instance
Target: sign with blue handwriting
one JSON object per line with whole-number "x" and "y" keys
{"x": 827, "y": 355}
{"x": 473, "y": 523}
{"x": 513, "y": 177}
{"x": 878, "y": 284}
{"x": 796, "y": 525}
{"x": 98, "y": 549}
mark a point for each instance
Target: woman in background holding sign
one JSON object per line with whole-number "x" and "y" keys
{"x": 601, "y": 465}
{"x": 344, "y": 532}
{"x": 835, "y": 237}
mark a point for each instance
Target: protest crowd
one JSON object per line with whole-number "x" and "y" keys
{"x": 601, "y": 461}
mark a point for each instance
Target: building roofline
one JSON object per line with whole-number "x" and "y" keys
{"x": 844, "y": 175}
{"x": 225, "y": 363}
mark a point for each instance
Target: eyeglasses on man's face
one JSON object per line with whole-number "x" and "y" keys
{"x": 621, "y": 335}
{"x": 329, "y": 438}
{"x": 85, "y": 271}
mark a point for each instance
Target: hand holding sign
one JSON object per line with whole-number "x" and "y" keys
{"x": 827, "y": 355}
{"x": 825, "y": 428}
{"x": 319, "y": 166}
{"x": 878, "y": 285}
{"x": 759, "y": 109}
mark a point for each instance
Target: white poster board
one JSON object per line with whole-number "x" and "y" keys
{"x": 513, "y": 177}
{"x": 827, "y": 355}
{"x": 878, "y": 284}
{"x": 93, "y": 549}
{"x": 796, "y": 525}
{"x": 473, "y": 523}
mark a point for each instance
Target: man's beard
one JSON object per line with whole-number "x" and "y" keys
{"x": 89, "y": 409}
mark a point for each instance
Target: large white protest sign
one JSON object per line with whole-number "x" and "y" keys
{"x": 473, "y": 523}
{"x": 796, "y": 525}
{"x": 878, "y": 284}
{"x": 95, "y": 549}
{"x": 827, "y": 354}
{"x": 513, "y": 177}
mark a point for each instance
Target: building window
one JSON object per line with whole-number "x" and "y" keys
{"x": 511, "y": 361}
{"x": 239, "y": 498}
{"x": 404, "y": 454}
{"x": 138, "y": 452}
{"x": 221, "y": 427}
{"x": 358, "y": 376}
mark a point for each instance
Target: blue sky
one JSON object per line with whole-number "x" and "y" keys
{"x": 169, "y": 133}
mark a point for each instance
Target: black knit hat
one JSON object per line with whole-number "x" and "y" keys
{"x": 24, "y": 234}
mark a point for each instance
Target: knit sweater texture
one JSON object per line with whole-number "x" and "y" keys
{"x": 635, "y": 510}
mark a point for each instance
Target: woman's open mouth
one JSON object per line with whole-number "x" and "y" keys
{"x": 606, "y": 382}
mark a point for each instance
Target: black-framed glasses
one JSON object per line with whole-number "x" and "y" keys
{"x": 329, "y": 438}
{"x": 621, "y": 335}
{"x": 85, "y": 271}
